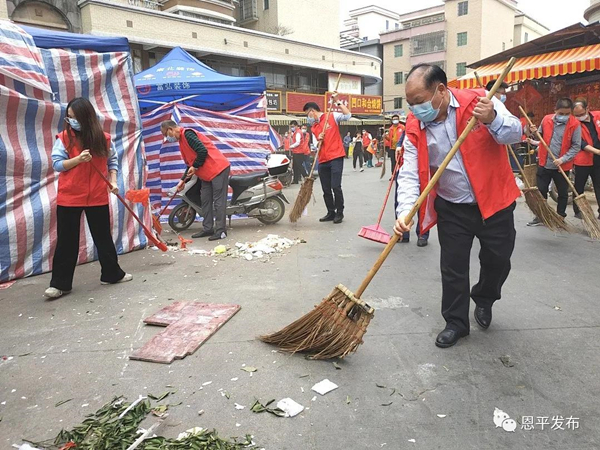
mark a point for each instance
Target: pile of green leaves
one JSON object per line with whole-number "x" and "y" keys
{"x": 103, "y": 430}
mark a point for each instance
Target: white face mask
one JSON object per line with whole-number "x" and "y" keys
{"x": 583, "y": 118}
{"x": 395, "y": 122}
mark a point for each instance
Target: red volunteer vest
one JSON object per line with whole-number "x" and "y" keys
{"x": 524, "y": 124}
{"x": 297, "y": 150}
{"x": 395, "y": 134}
{"x": 215, "y": 162}
{"x": 485, "y": 161}
{"x": 333, "y": 146}
{"x": 286, "y": 143}
{"x": 365, "y": 140}
{"x": 584, "y": 158}
{"x": 81, "y": 185}
{"x": 305, "y": 144}
{"x": 548, "y": 130}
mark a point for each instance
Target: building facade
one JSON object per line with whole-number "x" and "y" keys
{"x": 592, "y": 14}
{"x": 210, "y": 31}
{"x": 451, "y": 35}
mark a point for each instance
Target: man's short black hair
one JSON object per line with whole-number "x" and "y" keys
{"x": 432, "y": 75}
{"x": 581, "y": 101}
{"x": 490, "y": 85}
{"x": 531, "y": 115}
{"x": 396, "y": 115}
{"x": 293, "y": 122}
{"x": 564, "y": 103}
{"x": 311, "y": 105}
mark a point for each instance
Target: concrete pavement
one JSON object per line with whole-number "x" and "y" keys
{"x": 547, "y": 323}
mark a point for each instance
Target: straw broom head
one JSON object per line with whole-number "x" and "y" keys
{"x": 590, "y": 222}
{"x": 302, "y": 200}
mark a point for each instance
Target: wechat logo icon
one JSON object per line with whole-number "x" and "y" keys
{"x": 501, "y": 419}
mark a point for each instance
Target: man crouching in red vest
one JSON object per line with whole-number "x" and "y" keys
{"x": 475, "y": 196}
{"x": 212, "y": 168}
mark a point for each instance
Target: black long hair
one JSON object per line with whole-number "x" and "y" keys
{"x": 90, "y": 137}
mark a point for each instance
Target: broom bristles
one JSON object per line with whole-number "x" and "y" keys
{"x": 334, "y": 328}
{"x": 542, "y": 210}
{"x": 383, "y": 169}
{"x": 302, "y": 199}
{"x": 589, "y": 219}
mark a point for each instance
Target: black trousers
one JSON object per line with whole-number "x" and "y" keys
{"x": 392, "y": 155}
{"x": 330, "y": 174}
{"x": 67, "y": 246}
{"x": 298, "y": 167}
{"x": 582, "y": 173}
{"x": 458, "y": 225}
{"x": 544, "y": 176}
{"x": 357, "y": 156}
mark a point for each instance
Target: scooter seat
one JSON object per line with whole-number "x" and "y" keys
{"x": 246, "y": 180}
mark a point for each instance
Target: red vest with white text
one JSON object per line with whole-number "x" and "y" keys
{"x": 332, "y": 146}
{"x": 548, "y": 131}
{"x": 305, "y": 144}
{"x": 81, "y": 185}
{"x": 485, "y": 162}
{"x": 297, "y": 135}
{"x": 215, "y": 162}
{"x": 584, "y": 158}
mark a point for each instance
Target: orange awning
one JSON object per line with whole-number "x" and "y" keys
{"x": 563, "y": 62}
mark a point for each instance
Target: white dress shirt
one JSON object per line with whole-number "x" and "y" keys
{"x": 454, "y": 185}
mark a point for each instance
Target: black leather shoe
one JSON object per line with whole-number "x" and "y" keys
{"x": 447, "y": 338}
{"x": 217, "y": 236}
{"x": 202, "y": 234}
{"x": 483, "y": 316}
{"x": 338, "y": 218}
{"x": 422, "y": 242}
{"x": 327, "y": 218}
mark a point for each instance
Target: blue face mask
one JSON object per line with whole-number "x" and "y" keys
{"x": 561, "y": 118}
{"x": 171, "y": 139}
{"x": 311, "y": 120}
{"x": 293, "y": 129}
{"x": 503, "y": 98}
{"x": 425, "y": 112}
{"x": 74, "y": 123}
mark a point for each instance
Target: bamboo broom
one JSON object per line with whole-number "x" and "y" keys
{"x": 590, "y": 222}
{"x": 335, "y": 327}
{"x": 306, "y": 189}
{"x": 533, "y": 197}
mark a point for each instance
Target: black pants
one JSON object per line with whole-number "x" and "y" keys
{"x": 67, "y": 246}
{"x": 357, "y": 155}
{"x": 213, "y": 196}
{"x": 368, "y": 158}
{"x": 457, "y": 226}
{"x": 330, "y": 174}
{"x": 582, "y": 173}
{"x": 392, "y": 155}
{"x": 298, "y": 167}
{"x": 544, "y": 176}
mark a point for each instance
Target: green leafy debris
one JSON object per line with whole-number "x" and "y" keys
{"x": 258, "y": 407}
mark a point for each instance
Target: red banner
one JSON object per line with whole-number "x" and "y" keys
{"x": 366, "y": 104}
{"x": 345, "y": 98}
{"x": 295, "y": 101}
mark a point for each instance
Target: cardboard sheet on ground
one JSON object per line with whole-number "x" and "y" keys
{"x": 189, "y": 325}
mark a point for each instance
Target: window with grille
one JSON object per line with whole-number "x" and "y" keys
{"x": 266, "y": 4}
{"x": 398, "y": 103}
{"x": 428, "y": 43}
{"x": 398, "y": 51}
{"x": 461, "y": 69}
{"x": 461, "y": 39}
{"x": 463, "y": 8}
{"x": 398, "y": 77}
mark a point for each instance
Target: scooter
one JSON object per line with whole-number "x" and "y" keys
{"x": 257, "y": 195}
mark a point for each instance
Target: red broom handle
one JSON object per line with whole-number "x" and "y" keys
{"x": 387, "y": 196}
{"x": 171, "y": 199}
{"x": 161, "y": 245}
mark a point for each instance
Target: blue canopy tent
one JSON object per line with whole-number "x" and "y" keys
{"x": 180, "y": 76}
{"x": 61, "y": 39}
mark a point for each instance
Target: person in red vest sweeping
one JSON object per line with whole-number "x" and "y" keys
{"x": 80, "y": 145}
{"x": 587, "y": 161}
{"x": 562, "y": 132}
{"x": 475, "y": 196}
{"x": 331, "y": 157}
{"x": 205, "y": 161}
{"x": 298, "y": 152}
{"x": 392, "y": 137}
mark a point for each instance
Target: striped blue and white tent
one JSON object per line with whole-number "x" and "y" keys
{"x": 35, "y": 86}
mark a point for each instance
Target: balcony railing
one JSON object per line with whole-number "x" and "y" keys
{"x": 150, "y": 4}
{"x": 248, "y": 10}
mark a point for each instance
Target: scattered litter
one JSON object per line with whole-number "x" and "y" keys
{"x": 304, "y": 376}
{"x": 387, "y": 404}
{"x": 314, "y": 399}
{"x": 258, "y": 407}
{"x": 85, "y": 405}
{"x": 263, "y": 248}
{"x": 191, "y": 432}
{"x": 161, "y": 411}
{"x": 156, "y": 398}
{"x": 235, "y": 379}
{"x": 558, "y": 308}
{"x": 249, "y": 369}
{"x": 337, "y": 366}
{"x": 200, "y": 412}
{"x": 412, "y": 440}
{"x": 447, "y": 370}
{"x": 7, "y": 284}
{"x": 507, "y": 361}
{"x": 325, "y": 386}
{"x": 348, "y": 400}
{"x": 207, "y": 383}
{"x": 238, "y": 424}
{"x": 25, "y": 446}
{"x": 238, "y": 406}
{"x": 441, "y": 416}
{"x": 62, "y": 402}
{"x": 220, "y": 249}
{"x": 381, "y": 386}
{"x": 290, "y": 407}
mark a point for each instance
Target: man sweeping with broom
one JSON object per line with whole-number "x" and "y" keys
{"x": 475, "y": 195}
{"x": 331, "y": 156}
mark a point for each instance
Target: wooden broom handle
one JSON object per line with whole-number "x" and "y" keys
{"x": 320, "y": 144}
{"x": 432, "y": 182}
{"x": 541, "y": 139}
{"x": 387, "y": 196}
{"x": 508, "y": 147}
